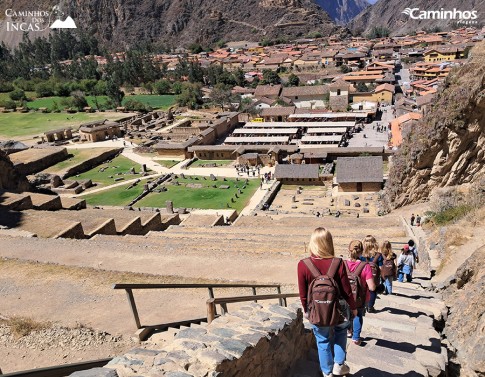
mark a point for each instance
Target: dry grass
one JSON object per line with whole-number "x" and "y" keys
{"x": 23, "y": 326}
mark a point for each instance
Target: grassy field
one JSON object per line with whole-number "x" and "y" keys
{"x": 166, "y": 163}
{"x": 205, "y": 197}
{"x": 28, "y": 124}
{"x": 219, "y": 163}
{"x": 119, "y": 164}
{"x": 155, "y": 101}
{"x": 117, "y": 196}
{"x": 78, "y": 156}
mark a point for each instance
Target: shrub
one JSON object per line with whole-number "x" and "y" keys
{"x": 23, "y": 326}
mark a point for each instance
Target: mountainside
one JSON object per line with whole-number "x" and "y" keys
{"x": 343, "y": 11}
{"x": 388, "y": 14}
{"x": 447, "y": 147}
{"x": 174, "y": 23}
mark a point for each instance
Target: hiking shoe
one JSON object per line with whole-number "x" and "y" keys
{"x": 371, "y": 309}
{"x": 341, "y": 369}
{"x": 349, "y": 333}
{"x": 357, "y": 342}
{"x": 327, "y": 375}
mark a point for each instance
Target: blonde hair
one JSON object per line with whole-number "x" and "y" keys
{"x": 386, "y": 250}
{"x": 370, "y": 246}
{"x": 355, "y": 249}
{"x": 321, "y": 243}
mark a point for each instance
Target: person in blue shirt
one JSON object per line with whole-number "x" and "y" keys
{"x": 372, "y": 255}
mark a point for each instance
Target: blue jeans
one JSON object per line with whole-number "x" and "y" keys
{"x": 405, "y": 271}
{"x": 388, "y": 284}
{"x": 331, "y": 344}
{"x": 357, "y": 324}
{"x": 372, "y": 299}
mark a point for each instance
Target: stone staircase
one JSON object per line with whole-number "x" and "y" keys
{"x": 399, "y": 340}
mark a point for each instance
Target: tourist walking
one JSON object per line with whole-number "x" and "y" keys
{"x": 413, "y": 249}
{"x": 374, "y": 258}
{"x": 388, "y": 269}
{"x": 331, "y": 339}
{"x": 405, "y": 265}
{"x": 362, "y": 286}
{"x": 412, "y": 219}
{"x": 418, "y": 220}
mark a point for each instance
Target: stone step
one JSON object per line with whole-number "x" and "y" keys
{"x": 72, "y": 203}
{"x": 46, "y": 202}
{"x": 16, "y": 202}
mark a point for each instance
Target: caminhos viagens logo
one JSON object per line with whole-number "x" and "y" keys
{"x": 460, "y": 16}
{"x": 37, "y": 20}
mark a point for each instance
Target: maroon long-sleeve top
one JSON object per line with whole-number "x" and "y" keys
{"x": 323, "y": 264}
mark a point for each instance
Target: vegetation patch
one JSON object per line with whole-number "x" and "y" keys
{"x": 211, "y": 163}
{"x": 23, "y": 326}
{"x": 76, "y": 157}
{"x": 203, "y": 193}
{"x": 116, "y": 196}
{"x": 450, "y": 215}
{"x": 13, "y": 125}
{"x": 166, "y": 163}
{"x": 107, "y": 173}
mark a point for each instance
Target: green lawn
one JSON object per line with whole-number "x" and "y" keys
{"x": 155, "y": 101}
{"x": 117, "y": 196}
{"x": 206, "y": 197}
{"x": 119, "y": 164}
{"x": 166, "y": 163}
{"x": 28, "y": 124}
{"x": 78, "y": 156}
{"x": 219, "y": 163}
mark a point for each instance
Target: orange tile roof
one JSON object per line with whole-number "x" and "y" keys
{"x": 396, "y": 127}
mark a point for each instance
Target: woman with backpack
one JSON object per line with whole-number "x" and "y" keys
{"x": 388, "y": 269}
{"x": 374, "y": 258}
{"x": 322, "y": 282}
{"x": 361, "y": 281}
{"x": 405, "y": 265}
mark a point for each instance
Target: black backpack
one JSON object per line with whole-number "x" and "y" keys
{"x": 358, "y": 290}
{"x": 323, "y": 295}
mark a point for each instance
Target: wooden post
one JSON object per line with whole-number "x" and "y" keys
{"x": 211, "y": 310}
{"x": 131, "y": 299}
{"x": 254, "y": 293}
{"x": 224, "y": 308}
{"x": 211, "y": 295}
{"x": 281, "y": 300}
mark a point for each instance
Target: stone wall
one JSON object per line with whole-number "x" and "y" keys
{"x": 38, "y": 159}
{"x": 91, "y": 163}
{"x": 253, "y": 341}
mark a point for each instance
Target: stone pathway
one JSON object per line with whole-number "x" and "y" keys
{"x": 399, "y": 340}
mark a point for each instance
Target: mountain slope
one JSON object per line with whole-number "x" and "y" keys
{"x": 388, "y": 13}
{"x": 447, "y": 147}
{"x": 343, "y": 11}
{"x": 181, "y": 22}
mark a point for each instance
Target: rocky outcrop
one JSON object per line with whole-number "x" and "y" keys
{"x": 343, "y": 11}
{"x": 10, "y": 178}
{"x": 388, "y": 14}
{"x": 465, "y": 326}
{"x": 446, "y": 147}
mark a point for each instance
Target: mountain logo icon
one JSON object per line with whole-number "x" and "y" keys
{"x": 68, "y": 23}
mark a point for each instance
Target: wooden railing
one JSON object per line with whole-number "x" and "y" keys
{"x": 223, "y": 301}
{"x": 59, "y": 370}
{"x": 144, "y": 331}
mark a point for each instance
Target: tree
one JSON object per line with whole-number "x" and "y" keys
{"x": 78, "y": 100}
{"x": 221, "y": 95}
{"x": 361, "y": 87}
{"x": 345, "y": 69}
{"x": 378, "y": 32}
{"x": 270, "y": 77}
{"x": 17, "y": 95}
{"x": 195, "y": 48}
{"x": 191, "y": 95}
{"x": 293, "y": 80}
{"x": 113, "y": 91}
{"x": 162, "y": 86}
{"x": 134, "y": 105}
{"x": 177, "y": 87}
{"x": 44, "y": 89}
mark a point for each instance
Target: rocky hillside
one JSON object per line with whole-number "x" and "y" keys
{"x": 343, "y": 11}
{"x": 447, "y": 147}
{"x": 388, "y": 14}
{"x": 10, "y": 179}
{"x": 181, "y": 22}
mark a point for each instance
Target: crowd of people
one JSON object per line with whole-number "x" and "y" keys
{"x": 369, "y": 270}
